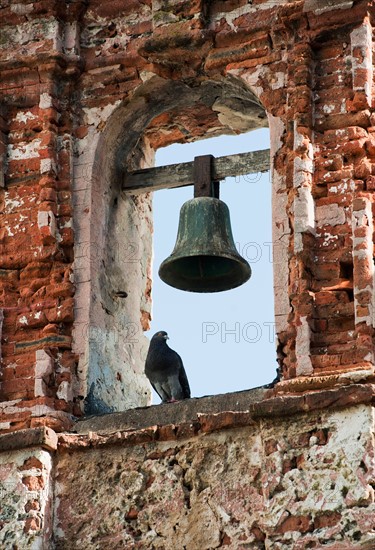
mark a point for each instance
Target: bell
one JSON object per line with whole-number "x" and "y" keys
{"x": 204, "y": 258}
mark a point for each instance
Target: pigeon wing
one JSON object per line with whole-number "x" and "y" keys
{"x": 158, "y": 367}
{"x": 161, "y": 391}
{"x": 184, "y": 381}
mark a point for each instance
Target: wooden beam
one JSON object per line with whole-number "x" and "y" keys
{"x": 179, "y": 175}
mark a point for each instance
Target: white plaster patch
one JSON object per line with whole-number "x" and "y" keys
{"x": 298, "y": 243}
{"x": 4, "y": 425}
{"x": 40, "y": 387}
{"x": 64, "y": 391}
{"x": 361, "y": 38}
{"x": 146, "y": 75}
{"x": 59, "y": 533}
{"x": 352, "y": 425}
{"x": 304, "y": 215}
{"x": 280, "y": 236}
{"x": 80, "y": 148}
{"x": 357, "y": 375}
{"x": 360, "y": 254}
{"x": 277, "y": 130}
{"x": 252, "y": 79}
{"x": 303, "y": 338}
{"x": 239, "y": 121}
{"x": 43, "y": 364}
{"x": 47, "y": 219}
{"x": 24, "y": 150}
{"x": 97, "y": 115}
{"x": 328, "y": 109}
{"x": 278, "y": 81}
{"x": 21, "y": 9}
{"x": 343, "y": 108}
{"x": 302, "y": 170}
{"x": 43, "y": 368}
{"x": 329, "y": 239}
{"x": 68, "y": 223}
{"x": 368, "y": 319}
{"x": 71, "y": 37}
{"x": 331, "y": 214}
{"x": 45, "y": 101}
{"x": 25, "y": 116}
{"x": 231, "y": 16}
{"x": 330, "y": 481}
{"x": 48, "y": 165}
{"x": 360, "y": 219}
{"x": 321, "y": 6}
{"x": 298, "y": 137}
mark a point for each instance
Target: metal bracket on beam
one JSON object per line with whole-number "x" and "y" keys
{"x": 202, "y": 173}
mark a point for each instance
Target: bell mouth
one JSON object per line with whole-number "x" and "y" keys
{"x": 205, "y": 273}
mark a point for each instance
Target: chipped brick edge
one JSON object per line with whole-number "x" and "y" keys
{"x": 34, "y": 437}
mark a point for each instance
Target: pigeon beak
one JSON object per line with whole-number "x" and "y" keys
{"x": 166, "y": 337}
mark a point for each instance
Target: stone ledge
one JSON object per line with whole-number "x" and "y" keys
{"x": 170, "y": 413}
{"x": 194, "y": 417}
{"x": 33, "y": 437}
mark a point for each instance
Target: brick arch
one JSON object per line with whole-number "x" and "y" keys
{"x": 114, "y": 245}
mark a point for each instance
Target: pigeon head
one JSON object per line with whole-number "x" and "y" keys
{"x": 160, "y": 336}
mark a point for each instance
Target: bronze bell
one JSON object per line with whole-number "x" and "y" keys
{"x": 204, "y": 258}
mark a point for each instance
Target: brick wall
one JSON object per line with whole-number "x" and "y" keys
{"x": 91, "y": 90}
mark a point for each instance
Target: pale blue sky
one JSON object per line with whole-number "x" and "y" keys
{"x": 225, "y": 339}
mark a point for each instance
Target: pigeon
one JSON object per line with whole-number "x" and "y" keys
{"x": 165, "y": 370}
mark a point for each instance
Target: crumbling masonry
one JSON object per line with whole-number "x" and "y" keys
{"x": 89, "y": 90}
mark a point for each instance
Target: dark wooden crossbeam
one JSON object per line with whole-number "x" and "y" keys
{"x": 179, "y": 175}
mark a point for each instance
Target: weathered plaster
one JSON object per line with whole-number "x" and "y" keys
{"x": 275, "y": 484}
{"x": 361, "y": 39}
{"x": 25, "y": 494}
{"x": 280, "y": 229}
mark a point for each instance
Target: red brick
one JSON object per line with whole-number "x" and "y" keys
{"x": 326, "y": 519}
{"x": 302, "y": 524}
{"x": 270, "y": 446}
{"x": 31, "y": 462}
{"x": 32, "y": 524}
{"x": 32, "y": 505}
{"x": 33, "y": 483}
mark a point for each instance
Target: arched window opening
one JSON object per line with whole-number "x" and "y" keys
{"x": 114, "y": 247}
{"x": 226, "y": 339}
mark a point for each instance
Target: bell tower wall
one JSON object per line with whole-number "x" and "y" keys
{"x": 90, "y": 90}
